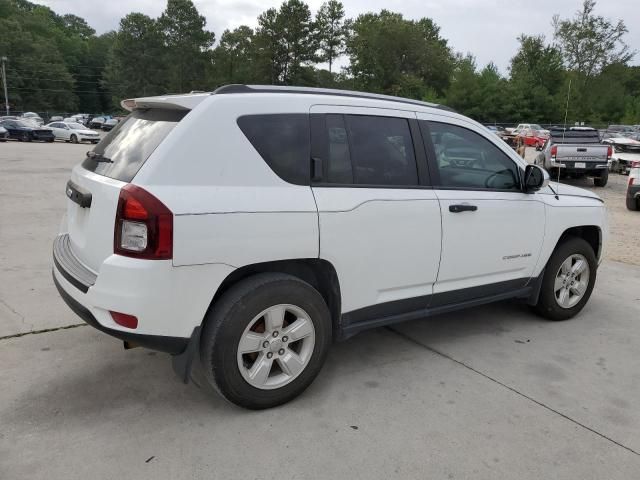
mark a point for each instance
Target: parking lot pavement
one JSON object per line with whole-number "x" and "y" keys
{"x": 489, "y": 393}
{"x": 509, "y": 396}
{"x": 32, "y": 202}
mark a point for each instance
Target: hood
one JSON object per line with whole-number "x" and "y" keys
{"x": 569, "y": 190}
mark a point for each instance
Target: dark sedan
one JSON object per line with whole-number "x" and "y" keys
{"x": 26, "y": 132}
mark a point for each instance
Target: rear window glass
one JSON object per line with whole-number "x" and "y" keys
{"x": 575, "y": 136}
{"x": 123, "y": 151}
{"x": 282, "y": 140}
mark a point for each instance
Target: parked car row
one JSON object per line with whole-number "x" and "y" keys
{"x": 26, "y": 131}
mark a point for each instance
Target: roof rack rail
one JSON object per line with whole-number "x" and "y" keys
{"x": 240, "y": 88}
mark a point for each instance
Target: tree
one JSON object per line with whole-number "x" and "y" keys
{"x": 135, "y": 66}
{"x": 589, "y": 42}
{"x": 537, "y": 80}
{"x": 285, "y": 42}
{"x": 234, "y": 56}
{"x": 331, "y": 31}
{"x": 417, "y": 59}
{"x": 187, "y": 45}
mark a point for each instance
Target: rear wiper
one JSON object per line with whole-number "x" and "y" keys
{"x": 98, "y": 157}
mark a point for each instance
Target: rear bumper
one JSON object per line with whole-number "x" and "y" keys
{"x": 173, "y": 345}
{"x": 169, "y": 302}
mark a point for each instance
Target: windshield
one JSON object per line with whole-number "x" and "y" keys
{"x": 535, "y": 126}
{"x": 122, "y": 152}
{"x": 76, "y": 126}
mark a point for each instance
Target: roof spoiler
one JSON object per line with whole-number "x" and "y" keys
{"x": 167, "y": 102}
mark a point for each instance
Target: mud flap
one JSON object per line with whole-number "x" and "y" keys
{"x": 183, "y": 362}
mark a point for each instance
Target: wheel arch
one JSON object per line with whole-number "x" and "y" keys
{"x": 592, "y": 234}
{"x": 318, "y": 273}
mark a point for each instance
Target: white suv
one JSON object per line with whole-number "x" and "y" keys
{"x": 251, "y": 227}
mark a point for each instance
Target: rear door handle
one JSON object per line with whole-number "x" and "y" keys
{"x": 465, "y": 207}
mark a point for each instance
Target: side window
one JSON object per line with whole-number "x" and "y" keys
{"x": 339, "y": 168}
{"x": 381, "y": 150}
{"x": 282, "y": 140}
{"x": 465, "y": 159}
{"x": 369, "y": 150}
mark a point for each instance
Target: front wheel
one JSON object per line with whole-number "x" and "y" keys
{"x": 265, "y": 340}
{"x": 568, "y": 280}
{"x": 73, "y": 138}
{"x": 633, "y": 203}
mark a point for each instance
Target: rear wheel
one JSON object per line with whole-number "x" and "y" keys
{"x": 568, "y": 280}
{"x": 25, "y": 137}
{"x": 73, "y": 138}
{"x": 602, "y": 180}
{"x": 265, "y": 340}
{"x": 633, "y": 203}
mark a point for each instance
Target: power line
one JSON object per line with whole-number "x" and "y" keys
{"x": 35, "y": 72}
{"x": 94, "y": 82}
{"x": 58, "y": 91}
{"x": 67, "y": 64}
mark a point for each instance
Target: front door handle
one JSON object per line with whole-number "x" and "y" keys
{"x": 465, "y": 207}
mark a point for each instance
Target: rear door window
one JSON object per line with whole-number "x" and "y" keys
{"x": 282, "y": 140}
{"x": 375, "y": 151}
{"x": 381, "y": 151}
{"x": 123, "y": 151}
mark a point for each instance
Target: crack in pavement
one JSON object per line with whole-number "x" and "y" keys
{"x": 531, "y": 399}
{"x": 45, "y": 330}
{"x": 16, "y": 313}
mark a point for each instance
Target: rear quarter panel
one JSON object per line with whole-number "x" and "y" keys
{"x": 229, "y": 206}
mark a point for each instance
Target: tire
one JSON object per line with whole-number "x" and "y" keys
{"x": 549, "y": 305}
{"x": 602, "y": 180}
{"x": 73, "y": 138}
{"x": 25, "y": 137}
{"x": 230, "y": 320}
{"x": 633, "y": 204}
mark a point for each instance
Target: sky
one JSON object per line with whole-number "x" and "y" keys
{"x": 488, "y": 29}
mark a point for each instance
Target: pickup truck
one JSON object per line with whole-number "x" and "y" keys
{"x": 576, "y": 153}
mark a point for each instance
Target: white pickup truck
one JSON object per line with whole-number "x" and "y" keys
{"x": 576, "y": 153}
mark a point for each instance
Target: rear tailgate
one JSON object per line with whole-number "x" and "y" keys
{"x": 94, "y": 187}
{"x": 588, "y": 154}
{"x": 91, "y": 210}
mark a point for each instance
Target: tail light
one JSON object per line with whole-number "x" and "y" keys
{"x": 609, "y": 152}
{"x": 630, "y": 181}
{"x": 143, "y": 227}
{"x": 554, "y": 151}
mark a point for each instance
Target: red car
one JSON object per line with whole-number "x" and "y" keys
{"x": 533, "y": 138}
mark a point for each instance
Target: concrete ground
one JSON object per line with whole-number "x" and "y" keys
{"x": 493, "y": 392}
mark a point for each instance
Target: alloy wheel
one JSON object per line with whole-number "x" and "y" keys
{"x": 572, "y": 280}
{"x": 276, "y": 347}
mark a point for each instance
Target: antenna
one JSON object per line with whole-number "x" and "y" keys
{"x": 566, "y": 112}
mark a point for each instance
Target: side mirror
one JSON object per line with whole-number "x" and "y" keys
{"x": 535, "y": 178}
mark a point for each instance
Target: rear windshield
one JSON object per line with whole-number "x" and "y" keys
{"x": 123, "y": 151}
{"x": 575, "y": 137}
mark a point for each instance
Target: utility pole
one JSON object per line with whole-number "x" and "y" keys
{"x": 4, "y": 82}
